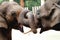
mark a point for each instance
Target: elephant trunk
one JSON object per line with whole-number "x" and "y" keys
{"x": 23, "y": 18}
{"x": 27, "y": 19}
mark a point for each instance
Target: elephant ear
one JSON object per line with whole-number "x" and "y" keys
{"x": 58, "y": 2}
{"x": 3, "y": 23}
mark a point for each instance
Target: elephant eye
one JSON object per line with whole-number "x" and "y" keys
{"x": 4, "y": 13}
{"x": 38, "y": 12}
{"x": 13, "y": 14}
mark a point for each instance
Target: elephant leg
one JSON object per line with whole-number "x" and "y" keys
{"x": 3, "y": 34}
{"x": 9, "y": 34}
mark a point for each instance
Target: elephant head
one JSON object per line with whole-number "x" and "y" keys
{"x": 49, "y": 15}
{"x": 17, "y": 15}
{"x": 27, "y": 19}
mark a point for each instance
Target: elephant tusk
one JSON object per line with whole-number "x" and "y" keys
{"x": 28, "y": 31}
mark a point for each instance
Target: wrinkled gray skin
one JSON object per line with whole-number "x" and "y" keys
{"x": 49, "y": 15}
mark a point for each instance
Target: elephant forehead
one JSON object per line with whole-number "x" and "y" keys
{"x": 14, "y": 8}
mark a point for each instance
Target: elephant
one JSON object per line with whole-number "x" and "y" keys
{"x": 19, "y": 12}
{"x": 9, "y": 12}
{"x": 12, "y": 15}
{"x": 5, "y": 22}
{"x": 49, "y": 15}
